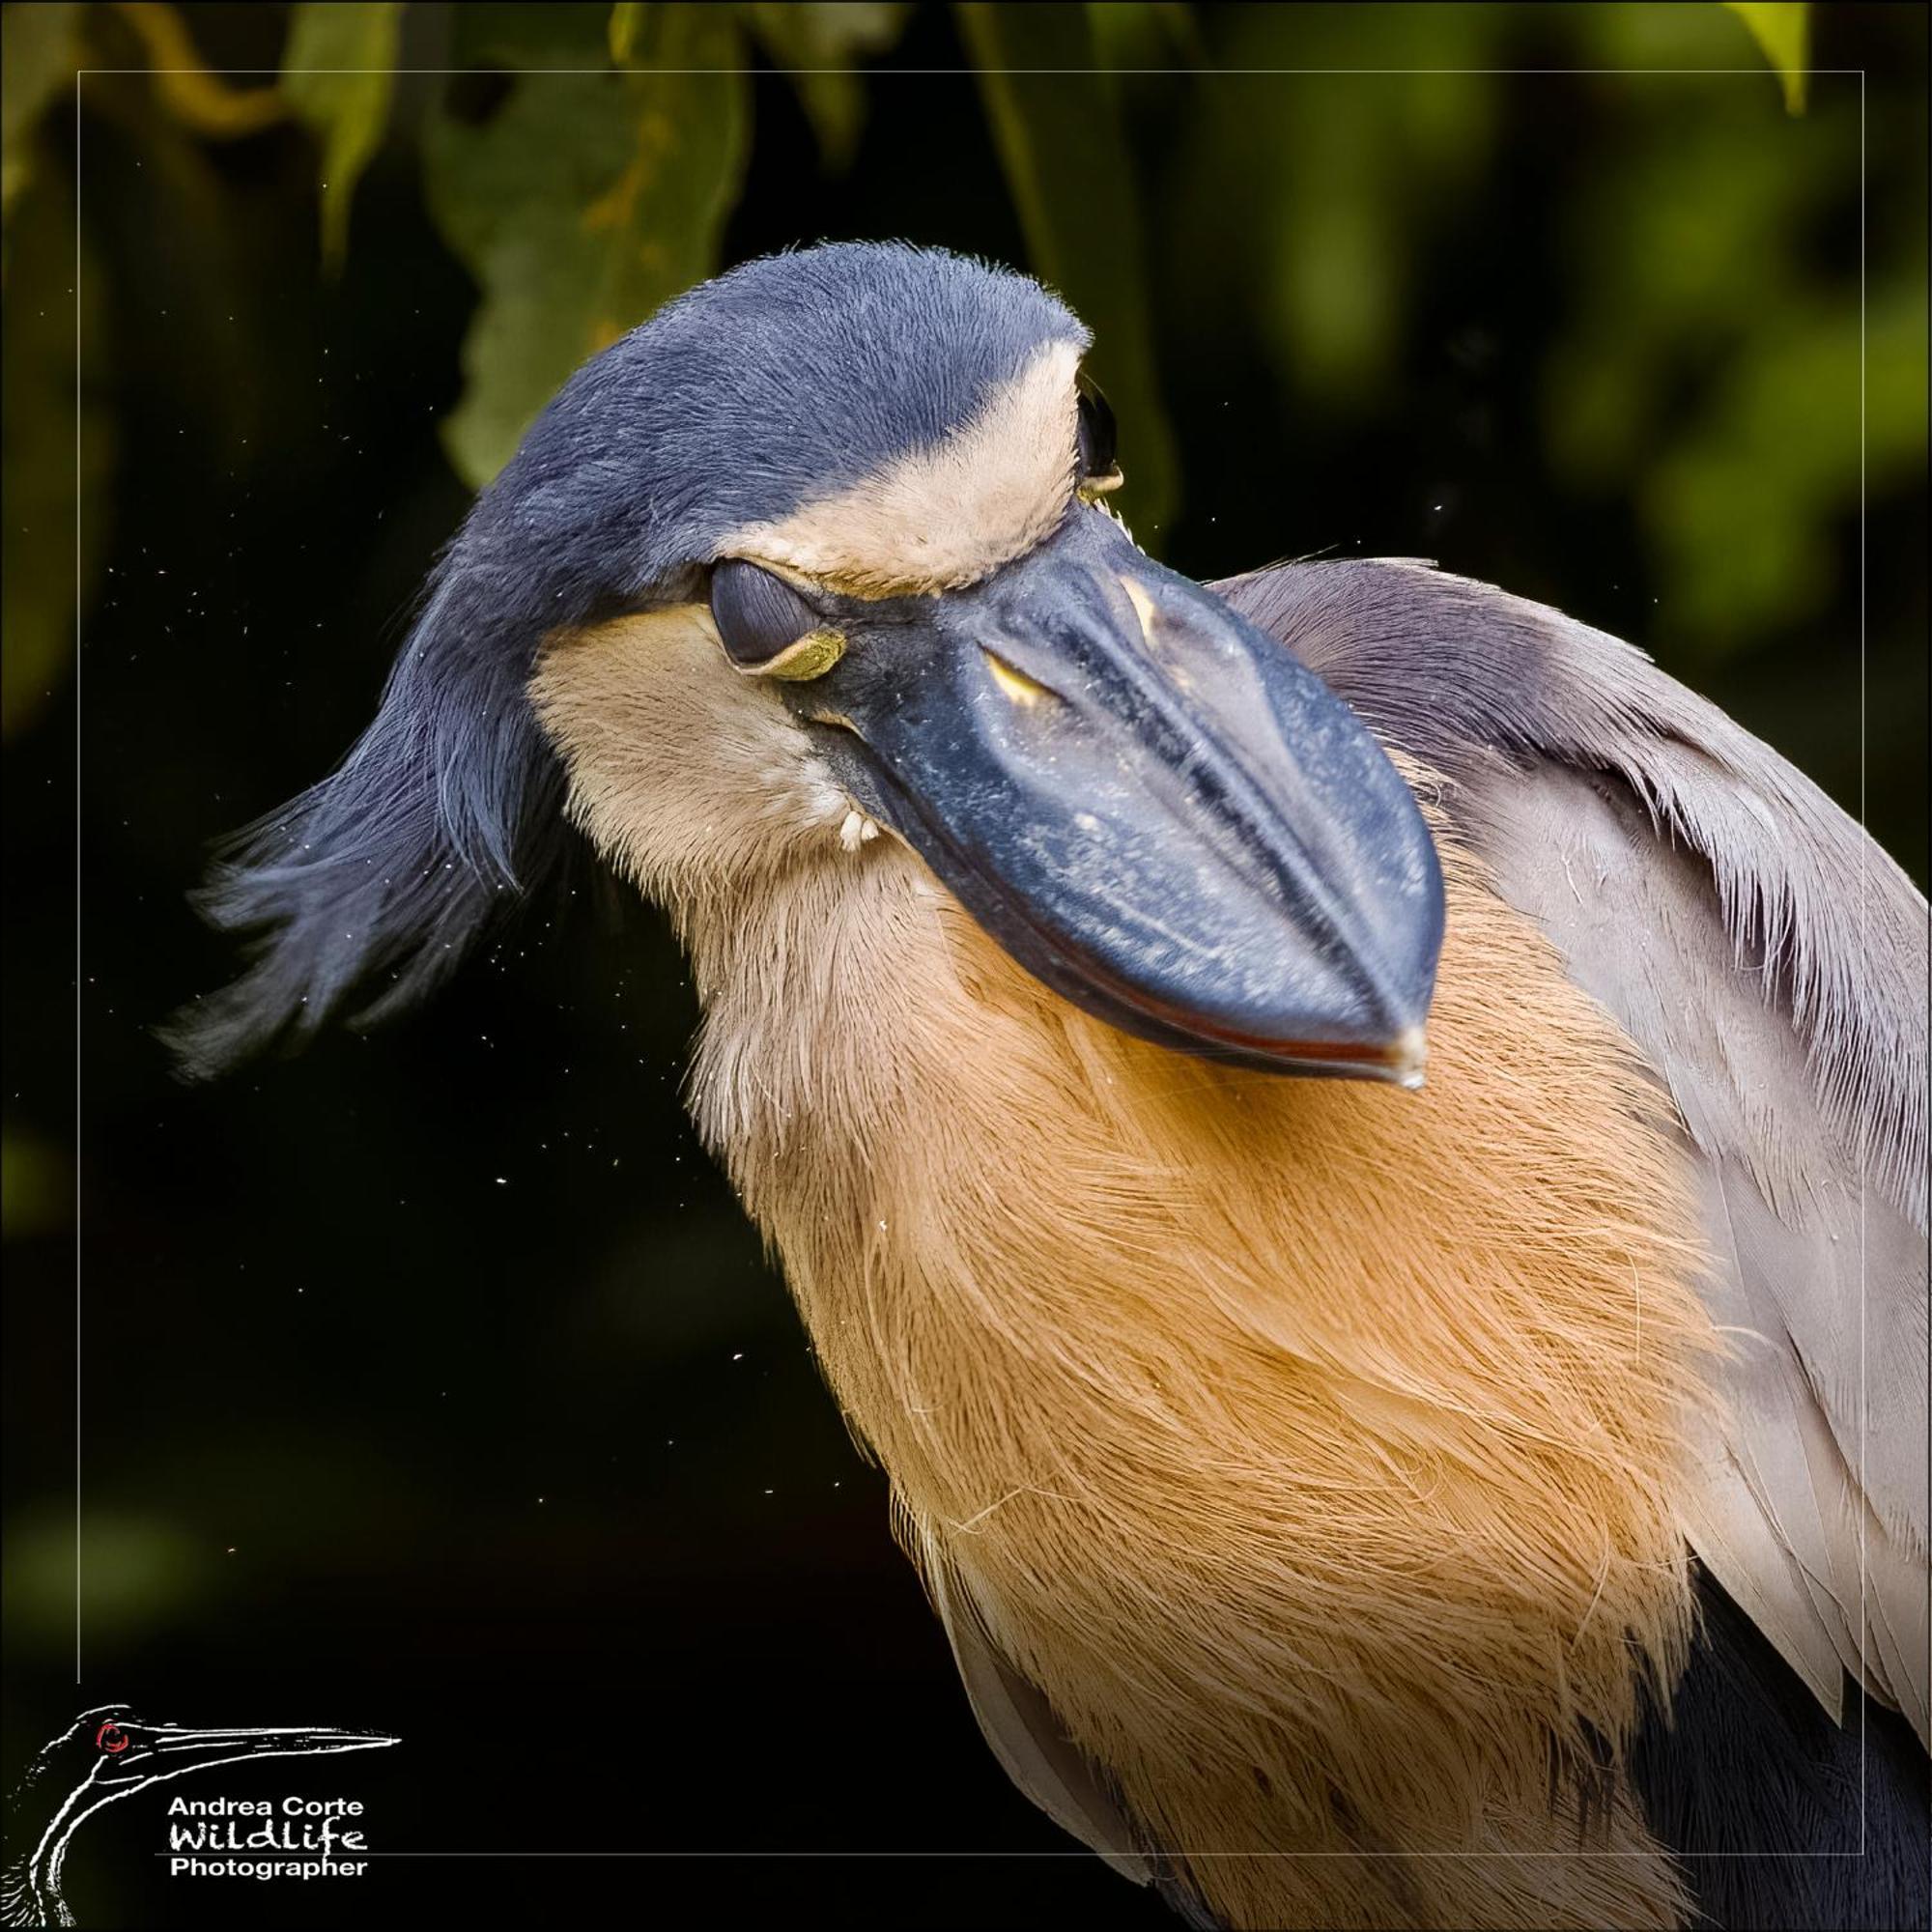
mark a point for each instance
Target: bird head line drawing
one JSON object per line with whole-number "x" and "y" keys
{"x": 109, "y": 1753}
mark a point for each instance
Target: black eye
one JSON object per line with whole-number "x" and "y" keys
{"x": 766, "y": 627}
{"x": 758, "y": 616}
{"x": 1098, "y": 453}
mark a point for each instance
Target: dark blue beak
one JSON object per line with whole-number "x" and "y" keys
{"x": 1150, "y": 804}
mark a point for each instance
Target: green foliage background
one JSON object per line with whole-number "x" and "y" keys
{"x": 1569, "y": 296}
{"x": 601, "y": 183}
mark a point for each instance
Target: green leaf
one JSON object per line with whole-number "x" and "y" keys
{"x": 583, "y": 204}
{"x": 56, "y": 449}
{"x": 1144, "y": 34}
{"x": 1783, "y": 32}
{"x": 197, "y": 98}
{"x": 36, "y": 1184}
{"x": 818, "y": 48}
{"x": 339, "y": 72}
{"x": 39, "y": 50}
{"x": 1311, "y": 194}
{"x": 1065, "y": 162}
{"x": 140, "y": 1574}
{"x": 627, "y": 26}
{"x": 537, "y": 34}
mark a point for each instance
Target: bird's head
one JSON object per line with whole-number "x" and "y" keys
{"x": 112, "y": 1751}
{"x": 109, "y": 1753}
{"x": 826, "y": 546}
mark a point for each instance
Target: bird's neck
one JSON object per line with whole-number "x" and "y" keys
{"x": 59, "y": 1790}
{"x": 41, "y": 1817}
{"x": 26, "y": 1899}
{"x": 1312, "y": 1446}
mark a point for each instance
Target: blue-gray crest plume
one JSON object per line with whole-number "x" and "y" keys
{"x": 370, "y": 887}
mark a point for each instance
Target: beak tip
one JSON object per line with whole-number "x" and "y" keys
{"x": 1408, "y": 1057}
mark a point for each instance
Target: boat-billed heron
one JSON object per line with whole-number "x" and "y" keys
{"x": 1356, "y": 1153}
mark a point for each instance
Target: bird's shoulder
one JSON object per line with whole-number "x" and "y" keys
{"x": 1769, "y": 960}
{"x": 1559, "y": 739}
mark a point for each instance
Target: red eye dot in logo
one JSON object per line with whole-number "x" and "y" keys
{"x": 111, "y": 1738}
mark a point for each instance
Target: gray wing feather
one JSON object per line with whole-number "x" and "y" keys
{"x": 1019, "y": 1725}
{"x": 1017, "y": 1722}
{"x": 1770, "y": 960}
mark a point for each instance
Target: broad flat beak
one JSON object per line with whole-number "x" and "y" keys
{"x": 1150, "y": 804}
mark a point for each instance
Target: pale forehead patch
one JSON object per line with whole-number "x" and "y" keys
{"x": 945, "y": 515}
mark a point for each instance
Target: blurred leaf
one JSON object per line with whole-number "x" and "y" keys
{"x": 1710, "y": 372}
{"x": 1895, "y": 381}
{"x": 818, "y": 48}
{"x": 627, "y": 25}
{"x": 1647, "y": 34}
{"x": 518, "y": 34}
{"x": 1783, "y": 30}
{"x": 36, "y": 1184}
{"x": 45, "y": 425}
{"x": 1348, "y": 179}
{"x": 1066, "y": 165}
{"x": 1702, "y": 223}
{"x": 196, "y": 98}
{"x": 583, "y": 204}
{"x": 1144, "y": 33}
{"x": 339, "y": 71}
{"x": 1744, "y": 512}
{"x": 1338, "y": 274}
{"x": 38, "y": 53}
{"x": 136, "y": 1574}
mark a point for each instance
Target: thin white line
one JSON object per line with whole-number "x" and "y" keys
{"x": 1539, "y": 1856}
{"x": 78, "y": 980}
{"x": 966, "y": 73}
{"x": 1864, "y": 1114}
{"x": 1756, "y": 71}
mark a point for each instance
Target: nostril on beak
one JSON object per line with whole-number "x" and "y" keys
{"x": 1144, "y": 608}
{"x": 1016, "y": 684}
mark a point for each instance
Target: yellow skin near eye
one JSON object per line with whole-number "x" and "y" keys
{"x": 817, "y": 651}
{"x": 1093, "y": 487}
{"x": 811, "y": 656}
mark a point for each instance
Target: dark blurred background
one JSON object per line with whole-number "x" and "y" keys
{"x": 430, "y": 1381}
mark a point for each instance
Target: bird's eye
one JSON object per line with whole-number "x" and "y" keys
{"x": 111, "y": 1738}
{"x": 766, "y": 627}
{"x": 1099, "y": 463}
